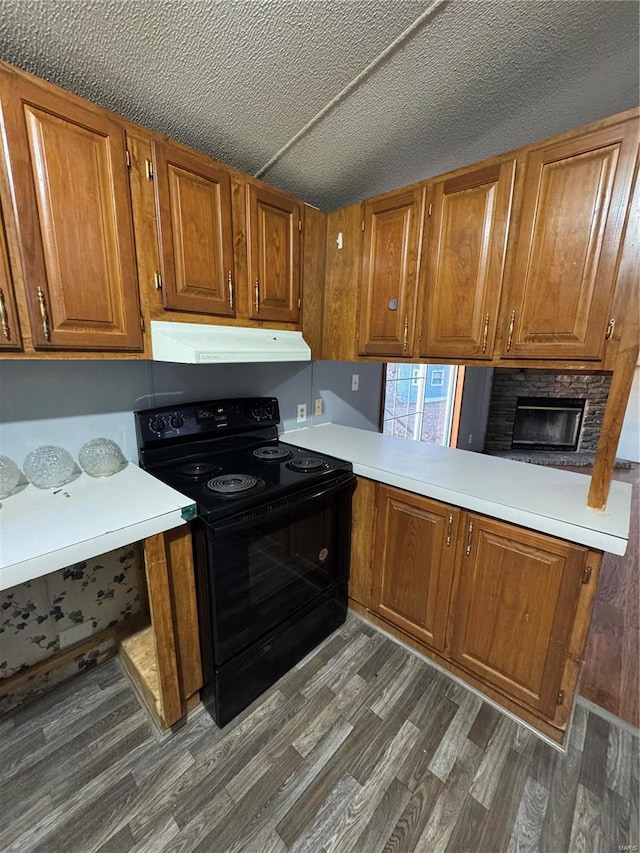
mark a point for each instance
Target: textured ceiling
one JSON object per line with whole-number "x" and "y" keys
{"x": 280, "y": 83}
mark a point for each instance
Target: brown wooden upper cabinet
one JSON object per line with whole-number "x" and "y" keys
{"x": 67, "y": 172}
{"x": 413, "y": 563}
{"x": 273, "y": 245}
{"x": 193, "y": 210}
{"x": 10, "y": 337}
{"x": 392, "y": 229}
{"x": 463, "y": 261}
{"x": 514, "y": 607}
{"x": 566, "y": 247}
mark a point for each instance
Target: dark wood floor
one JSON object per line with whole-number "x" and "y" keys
{"x": 612, "y": 657}
{"x": 363, "y": 747}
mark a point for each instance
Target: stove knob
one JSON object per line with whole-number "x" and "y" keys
{"x": 156, "y": 424}
{"x": 176, "y": 421}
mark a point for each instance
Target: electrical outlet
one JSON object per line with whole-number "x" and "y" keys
{"x": 317, "y": 406}
{"x": 302, "y": 412}
{"x": 75, "y": 634}
{"x": 355, "y": 381}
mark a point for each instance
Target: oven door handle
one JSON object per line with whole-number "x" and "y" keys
{"x": 279, "y": 507}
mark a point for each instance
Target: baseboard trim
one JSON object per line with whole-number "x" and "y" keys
{"x": 608, "y": 716}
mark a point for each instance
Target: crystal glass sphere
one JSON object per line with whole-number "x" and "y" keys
{"x": 49, "y": 466}
{"x": 9, "y": 476}
{"x": 101, "y": 457}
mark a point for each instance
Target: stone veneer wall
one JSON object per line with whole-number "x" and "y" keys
{"x": 508, "y": 385}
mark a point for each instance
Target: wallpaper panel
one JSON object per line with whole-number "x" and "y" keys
{"x": 102, "y": 591}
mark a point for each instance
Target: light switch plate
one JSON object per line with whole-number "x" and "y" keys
{"x": 355, "y": 381}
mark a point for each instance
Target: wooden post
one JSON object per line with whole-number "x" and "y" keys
{"x": 623, "y": 357}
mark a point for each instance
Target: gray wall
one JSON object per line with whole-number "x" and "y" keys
{"x": 332, "y": 382}
{"x": 69, "y": 402}
{"x": 476, "y": 394}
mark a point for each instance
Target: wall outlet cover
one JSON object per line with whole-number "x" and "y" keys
{"x": 302, "y": 412}
{"x": 75, "y": 634}
{"x": 355, "y": 381}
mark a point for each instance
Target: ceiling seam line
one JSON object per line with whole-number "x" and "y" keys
{"x": 351, "y": 85}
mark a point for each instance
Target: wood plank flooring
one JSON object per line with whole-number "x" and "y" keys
{"x": 363, "y": 747}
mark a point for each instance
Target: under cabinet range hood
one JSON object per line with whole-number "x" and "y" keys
{"x": 199, "y": 343}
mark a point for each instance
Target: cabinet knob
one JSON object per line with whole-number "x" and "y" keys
{"x": 4, "y": 317}
{"x": 42, "y": 302}
{"x": 485, "y": 333}
{"x": 469, "y": 537}
{"x": 511, "y": 325}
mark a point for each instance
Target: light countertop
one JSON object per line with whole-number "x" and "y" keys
{"x": 545, "y": 499}
{"x": 42, "y": 530}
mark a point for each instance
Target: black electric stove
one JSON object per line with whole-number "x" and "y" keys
{"x": 271, "y": 538}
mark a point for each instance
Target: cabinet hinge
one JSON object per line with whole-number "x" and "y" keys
{"x": 362, "y": 225}
{"x": 560, "y": 698}
{"x": 299, "y": 224}
{"x": 142, "y": 327}
{"x": 299, "y": 303}
{"x": 148, "y": 168}
{"x": 157, "y": 280}
{"x": 586, "y": 575}
{"x": 128, "y": 156}
{"x": 429, "y": 209}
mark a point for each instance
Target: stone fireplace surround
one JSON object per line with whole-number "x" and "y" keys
{"x": 510, "y": 384}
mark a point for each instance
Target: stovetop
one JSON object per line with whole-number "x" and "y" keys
{"x": 225, "y": 455}
{"x": 194, "y": 475}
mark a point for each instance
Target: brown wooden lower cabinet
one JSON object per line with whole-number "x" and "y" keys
{"x": 502, "y": 607}
{"x": 413, "y": 564}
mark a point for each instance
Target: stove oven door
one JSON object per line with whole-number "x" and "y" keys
{"x": 255, "y": 574}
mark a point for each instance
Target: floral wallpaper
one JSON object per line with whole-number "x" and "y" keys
{"x": 103, "y": 590}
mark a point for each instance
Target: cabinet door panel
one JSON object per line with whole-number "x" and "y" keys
{"x": 193, "y": 200}
{"x": 392, "y": 227}
{"x": 69, "y": 182}
{"x": 464, "y": 262}
{"x": 274, "y": 256}
{"x": 415, "y": 545}
{"x": 573, "y": 211}
{"x": 516, "y": 597}
{"x": 9, "y": 328}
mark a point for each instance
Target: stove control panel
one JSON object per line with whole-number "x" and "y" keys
{"x": 206, "y": 418}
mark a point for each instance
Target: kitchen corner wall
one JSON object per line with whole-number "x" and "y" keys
{"x": 69, "y": 402}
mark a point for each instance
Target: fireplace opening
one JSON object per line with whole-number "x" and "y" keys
{"x": 547, "y": 423}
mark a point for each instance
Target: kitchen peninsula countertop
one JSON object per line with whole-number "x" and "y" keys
{"x": 548, "y": 500}
{"x": 42, "y": 530}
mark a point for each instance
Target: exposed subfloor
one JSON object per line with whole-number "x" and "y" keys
{"x": 362, "y": 747}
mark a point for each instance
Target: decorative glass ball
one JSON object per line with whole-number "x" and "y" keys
{"x": 101, "y": 457}
{"x": 49, "y": 466}
{"x": 9, "y": 476}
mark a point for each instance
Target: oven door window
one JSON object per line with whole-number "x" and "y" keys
{"x": 268, "y": 571}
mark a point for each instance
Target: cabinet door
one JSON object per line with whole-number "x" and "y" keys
{"x": 571, "y": 224}
{"x": 9, "y": 329}
{"x": 193, "y": 205}
{"x": 515, "y": 603}
{"x": 69, "y": 183}
{"x": 464, "y": 255}
{"x": 392, "y": 229}
{"x": 413, "y": 563}
{"x": 275, "y": 222}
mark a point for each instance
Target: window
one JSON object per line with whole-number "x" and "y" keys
{"x": 420, "y": 401}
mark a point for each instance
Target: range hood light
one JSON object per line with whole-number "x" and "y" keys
{"x": 199, "y": 343}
